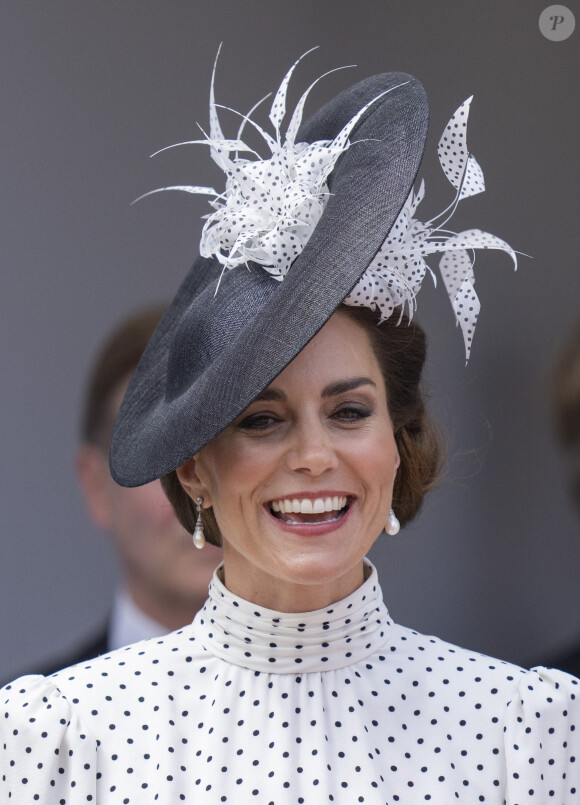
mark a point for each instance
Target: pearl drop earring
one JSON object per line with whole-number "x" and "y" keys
{"x": 392, "y": 526}
{"x": 198, "y": 535}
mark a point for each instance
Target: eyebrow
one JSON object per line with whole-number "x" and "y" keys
{"x": 340, "y": 387}
{"x": 347, "y": 385}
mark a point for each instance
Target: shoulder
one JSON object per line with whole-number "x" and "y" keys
{"x": 535, "y": 713}
{"x": 452, "y": 664}
{"x": 51, "y": 728}
{"x": 29, "y": 694}
{"x": 39, "y": 729}
{"x": 103, "y": 683}
{"x": 100, "y": 683}
{"x": 542, "y": 737}
{"x": 532, "y": 717}
{"x": 550, "y": 696}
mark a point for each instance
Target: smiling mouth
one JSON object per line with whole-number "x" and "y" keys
{"x": 295, "y": 511}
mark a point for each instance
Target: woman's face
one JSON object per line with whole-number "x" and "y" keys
{"x": 301, "y": 483}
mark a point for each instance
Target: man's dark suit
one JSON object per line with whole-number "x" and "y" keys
{"x": 98, "y": 644}
{"x": 569, "y": 662}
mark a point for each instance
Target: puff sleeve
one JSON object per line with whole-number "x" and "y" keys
{"x": 542, "y": 740}
{"x": 45, "y": 753}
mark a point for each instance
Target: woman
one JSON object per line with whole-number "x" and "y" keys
{"x": 290, "y": 427}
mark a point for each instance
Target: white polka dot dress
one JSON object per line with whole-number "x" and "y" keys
{"x": 249, "y": 705}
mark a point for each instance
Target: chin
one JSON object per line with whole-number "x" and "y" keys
{"x": 312, "y": 570}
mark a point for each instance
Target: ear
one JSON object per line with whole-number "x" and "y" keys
{"x": 94, "y": 478}
{"x": 400, "y": 437}
{"x": 190, "y": 477}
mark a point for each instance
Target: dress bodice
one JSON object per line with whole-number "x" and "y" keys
{"x": 340, "y": 705}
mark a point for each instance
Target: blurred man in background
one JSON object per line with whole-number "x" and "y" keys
{"x": 164, "y": 579}
{"x": 566, "y": 392}
{"x": 566, "y": 407}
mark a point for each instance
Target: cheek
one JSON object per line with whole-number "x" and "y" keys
{"x": 395, "y": 458}
{"x": 381, "y": 465}
{"x": 380, "y": 452}
{"x": 214, "y": 474}
{"x": 229, "y": 471}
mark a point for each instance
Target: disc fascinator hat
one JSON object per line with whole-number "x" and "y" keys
{"x": 328, "y": 216}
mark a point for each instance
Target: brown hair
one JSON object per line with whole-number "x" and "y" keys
{"x": 115, "y": 362}
{"x": 400, "y": 348}
{"x": 184, "y": 508}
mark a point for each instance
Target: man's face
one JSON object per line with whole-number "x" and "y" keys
{"x": 161, "y": 568}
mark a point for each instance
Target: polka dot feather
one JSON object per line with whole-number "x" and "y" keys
{"x": 394, "y": 277}
{"x": 271, "y": 206}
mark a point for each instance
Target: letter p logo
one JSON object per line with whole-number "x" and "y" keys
{"x": 557, "y": 23}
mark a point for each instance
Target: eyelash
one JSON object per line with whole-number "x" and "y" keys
{"x": 354, "y": 412}
{"x": 263, "y": 421}
{"x": 252, "y": 422}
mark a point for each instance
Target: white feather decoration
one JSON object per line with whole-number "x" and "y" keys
{"x": 394, "y": 277}
{"x": 270, "y": 207}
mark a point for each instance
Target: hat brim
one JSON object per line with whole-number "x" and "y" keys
{"x": 215, "y": 351}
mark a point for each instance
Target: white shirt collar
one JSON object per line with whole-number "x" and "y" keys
{"x": 129, "y": 624}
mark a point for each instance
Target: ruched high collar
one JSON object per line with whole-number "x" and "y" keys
{"x": 280, "y": 642}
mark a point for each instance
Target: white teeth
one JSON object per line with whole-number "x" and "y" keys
{"x": 308, "y": 506}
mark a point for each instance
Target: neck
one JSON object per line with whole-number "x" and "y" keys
{"x": 287, "y": 596}
{"x": 170, "y": 612}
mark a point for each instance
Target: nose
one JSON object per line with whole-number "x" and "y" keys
{"x": 311, "y": 449}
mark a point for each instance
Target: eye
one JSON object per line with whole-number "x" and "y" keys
{"x": 350, "y": 413}
{"x": 256, "y": 422}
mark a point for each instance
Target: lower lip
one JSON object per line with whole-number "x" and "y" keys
{"x": 311, "y": 529}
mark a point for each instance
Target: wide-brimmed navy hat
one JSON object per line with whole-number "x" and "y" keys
{"x": 228, "y": 334}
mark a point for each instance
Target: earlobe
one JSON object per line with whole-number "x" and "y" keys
{"x": 192, "y": 484}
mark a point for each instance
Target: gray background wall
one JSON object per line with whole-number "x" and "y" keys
{"x": 89, "y": 90}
